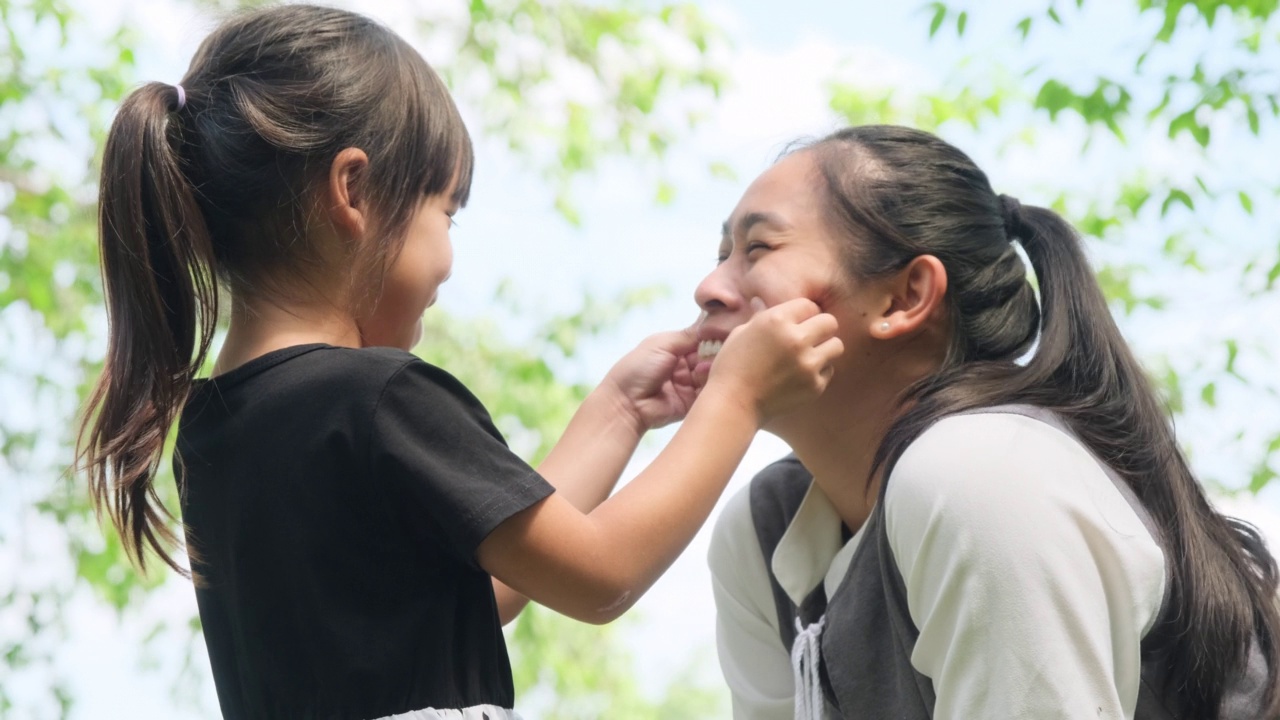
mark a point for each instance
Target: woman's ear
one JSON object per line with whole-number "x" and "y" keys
{"x": 347, "y": 205}
{"x": 914, "y": 297}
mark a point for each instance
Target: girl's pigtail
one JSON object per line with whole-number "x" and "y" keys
{"x": 162, "y": 305}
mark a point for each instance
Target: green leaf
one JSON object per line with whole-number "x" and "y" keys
{"x": 1176, "y": 195}
{"x": 567, "y": 210}
{"x": 1055, "y": 97}
{"x": 1024, "y": 27}
{"x": 939, "y": 15}
{"x": 1254, "y": 122}
{"x": 1186, "y": 122}
{"x": 1246, "y": 202}
{"x": 1261, "y": 477}
{"x": 961, "y": 20}
{"x": 1053, "y": 15}
{"x": 666, "y": 193}
{"x": 1159, "y": 108}
{"x": 1208, "y": 394}
{"x": 1171, "y": 10}
{"x": 722, "y": 170}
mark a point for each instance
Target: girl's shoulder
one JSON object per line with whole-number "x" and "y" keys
{"x": 337, "y": 377}
{"x": 374, "y": 367}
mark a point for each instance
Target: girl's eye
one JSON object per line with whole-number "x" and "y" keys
{"x": 753, "y": 246}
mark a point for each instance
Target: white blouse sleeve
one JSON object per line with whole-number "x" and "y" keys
{"x": 755, "y": 665}
{"x": 1031, "y": 579}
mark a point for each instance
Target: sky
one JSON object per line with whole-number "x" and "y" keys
{"x": 782, "y": 58}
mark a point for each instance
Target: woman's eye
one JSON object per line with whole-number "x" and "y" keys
{"x": 753, "y": 246}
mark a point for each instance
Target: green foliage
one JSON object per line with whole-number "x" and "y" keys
{"x": 965, "y": 105}
{"x": 611, "y": 50}
{"x": 1176, "y": 84}
{"x": 580, "y": 674}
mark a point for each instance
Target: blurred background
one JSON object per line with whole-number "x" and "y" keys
{"x": 613, "y": 138}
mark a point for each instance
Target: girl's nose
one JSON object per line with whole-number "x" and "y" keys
{"x": 717, "y": 291}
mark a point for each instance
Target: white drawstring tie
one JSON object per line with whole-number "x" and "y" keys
{"x": 806, "y": 654}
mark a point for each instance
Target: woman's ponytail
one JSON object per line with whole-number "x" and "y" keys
{"x": 162, "y": 305}
{"x": 1223, "y": 580}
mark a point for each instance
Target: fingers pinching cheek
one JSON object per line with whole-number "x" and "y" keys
{"x": 819, "y": 327}
{"x": 831, "y": 349}
{"x": 797, "y": 310}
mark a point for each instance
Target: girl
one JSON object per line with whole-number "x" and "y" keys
{"x": 964, "y": 531}
{"x": 345, "y": 504}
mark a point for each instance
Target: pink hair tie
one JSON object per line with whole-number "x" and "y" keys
{"x": 182, "y": 96}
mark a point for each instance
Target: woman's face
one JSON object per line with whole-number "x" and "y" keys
{"x": 776, "y": 246}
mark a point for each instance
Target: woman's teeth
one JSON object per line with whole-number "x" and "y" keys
{"x": 708, "y": 348}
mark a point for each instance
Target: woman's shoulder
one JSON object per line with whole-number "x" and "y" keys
{"x": 992, "y": 454}
{"x": 1004, "y": 483}
{"x": 1009, "y": 475}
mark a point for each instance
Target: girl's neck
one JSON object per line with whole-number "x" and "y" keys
{"x": 263, "y": 326}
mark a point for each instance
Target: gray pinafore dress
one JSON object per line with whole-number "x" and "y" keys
{"x": 855, "y": 648}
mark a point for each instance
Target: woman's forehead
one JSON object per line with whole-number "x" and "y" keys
{"x": 786, "y": 192}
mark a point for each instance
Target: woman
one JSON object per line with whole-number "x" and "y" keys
{"x": 966, "y": 531}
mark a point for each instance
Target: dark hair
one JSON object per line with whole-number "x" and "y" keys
{"x": 899, "y": 193}
{"x": 220, "y": 188}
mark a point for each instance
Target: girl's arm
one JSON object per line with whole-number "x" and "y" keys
{"x": 593, "y": 567}
{"x": 648, "y": 388}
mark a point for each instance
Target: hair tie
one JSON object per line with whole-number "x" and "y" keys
{"x": 182, "y": 97}
{"x": 1011, "y": 213}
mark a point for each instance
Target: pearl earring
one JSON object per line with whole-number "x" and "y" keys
{"x": 884, "y": 326}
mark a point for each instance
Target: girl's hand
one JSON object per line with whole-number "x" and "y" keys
{"x": 779, "y": 359}
{"x": 654, "y": 382}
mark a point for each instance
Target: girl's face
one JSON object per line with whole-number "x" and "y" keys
{"x": 413, "y": 279}
{"x": 776, "y": 246}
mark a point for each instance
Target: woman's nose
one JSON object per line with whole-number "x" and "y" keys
{"x": 717, "y": 291}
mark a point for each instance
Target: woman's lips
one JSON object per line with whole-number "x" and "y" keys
{"x": 707, "y": 349}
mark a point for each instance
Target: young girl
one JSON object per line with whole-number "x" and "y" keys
{"x": 345, "y": 503}
{"x": 964, "y": 531}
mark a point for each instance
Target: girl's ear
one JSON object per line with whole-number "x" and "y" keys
{"x": 347, "y": 205}
{"x": 914, "y": 297}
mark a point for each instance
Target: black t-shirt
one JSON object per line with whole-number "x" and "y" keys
{"x": 334, "y": 499}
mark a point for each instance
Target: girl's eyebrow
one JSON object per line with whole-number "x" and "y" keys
{"x": 746, "y": 222}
